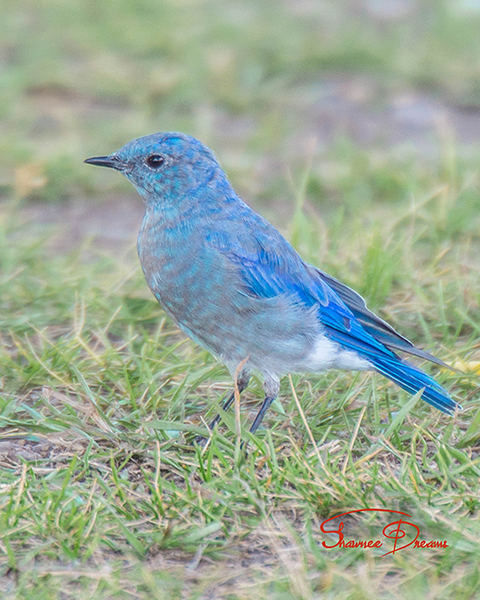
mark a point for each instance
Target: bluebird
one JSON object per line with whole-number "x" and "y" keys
{"x": 234, "y": 285}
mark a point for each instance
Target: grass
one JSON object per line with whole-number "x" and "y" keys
{"x": 103, "y": 493}
{"x": 80, "y": 78}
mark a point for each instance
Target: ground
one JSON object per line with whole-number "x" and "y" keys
{"x": 354, "y": 127}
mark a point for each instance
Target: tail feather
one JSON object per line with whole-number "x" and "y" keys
{"x": 412, "y": 380}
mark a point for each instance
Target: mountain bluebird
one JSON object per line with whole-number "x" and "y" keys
{"x": 235, "y": 286}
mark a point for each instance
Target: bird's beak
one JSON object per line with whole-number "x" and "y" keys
{"x": 104, "y": 161}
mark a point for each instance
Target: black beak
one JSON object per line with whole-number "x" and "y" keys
{"x": 104, "y": 161}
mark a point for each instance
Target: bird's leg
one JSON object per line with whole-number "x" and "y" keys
{"x": 272, "y": 387}
{"x": 242, "y": 383}
{"x": 261, "y": 413}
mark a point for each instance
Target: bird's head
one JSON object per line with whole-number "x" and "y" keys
{"x": 164, "y": 166}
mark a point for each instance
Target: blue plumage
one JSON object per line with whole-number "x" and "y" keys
{"x": 235, "y": 285}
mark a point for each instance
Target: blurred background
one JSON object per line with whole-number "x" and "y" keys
{"x": 379, "y": 100}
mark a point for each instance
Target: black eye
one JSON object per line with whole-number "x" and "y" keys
{"x": 155, "y": 161}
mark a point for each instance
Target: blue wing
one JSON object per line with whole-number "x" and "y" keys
{"x": 376, "y": 326}
{"x": 279, "y": 270}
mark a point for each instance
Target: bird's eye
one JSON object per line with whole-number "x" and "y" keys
{"x": 155, "y": 161}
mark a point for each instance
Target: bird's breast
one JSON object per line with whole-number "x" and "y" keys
{"x": 202, "y": 290}
{"x": 182, "y": 271}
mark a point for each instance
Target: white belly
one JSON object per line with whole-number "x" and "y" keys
{"x": 327, "y": 354}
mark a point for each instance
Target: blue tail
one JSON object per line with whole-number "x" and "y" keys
{"x": 412, "y": 380}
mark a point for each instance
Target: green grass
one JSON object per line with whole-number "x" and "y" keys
{"x": 81, "y": 78}
{"x": 103, "y": 493}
